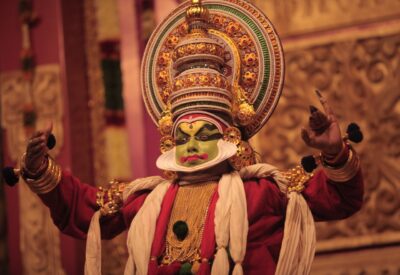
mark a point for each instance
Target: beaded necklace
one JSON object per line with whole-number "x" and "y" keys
{"x": 190, "y": 208}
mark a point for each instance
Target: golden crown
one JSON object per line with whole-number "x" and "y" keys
{"x": 200, "y": 82}
{"x": 218, "y": 56}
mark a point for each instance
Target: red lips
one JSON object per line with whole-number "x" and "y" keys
{"x": 193, "y": 158}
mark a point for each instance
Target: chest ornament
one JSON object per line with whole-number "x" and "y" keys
{"x": 186, "y": 223}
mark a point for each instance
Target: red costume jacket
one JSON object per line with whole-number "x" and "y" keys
{"x": 73, "y": 203}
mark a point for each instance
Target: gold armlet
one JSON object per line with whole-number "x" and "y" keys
{"x": 345, "y": 172}
{"x": 47, "y": 181}
{"x": 109, "y": 199}
{"x": 297, "y": 179}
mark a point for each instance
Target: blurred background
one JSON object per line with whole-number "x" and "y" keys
{"x": 77, "y": 62}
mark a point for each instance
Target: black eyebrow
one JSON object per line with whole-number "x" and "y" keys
{"x": 207, "y": 126}
{"x": 181, "y": 132}
{"x": 210, "y": 127}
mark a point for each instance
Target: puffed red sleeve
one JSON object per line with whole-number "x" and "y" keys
{"x": 73, "y": 203}
{"x": 329, "y": 200}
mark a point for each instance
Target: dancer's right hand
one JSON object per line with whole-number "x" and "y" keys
{"x": 36, "y": 150}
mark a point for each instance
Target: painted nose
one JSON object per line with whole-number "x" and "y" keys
{"x": 192, "y": 146}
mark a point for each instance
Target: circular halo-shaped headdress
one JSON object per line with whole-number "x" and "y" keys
{"x": 238, "y": 35}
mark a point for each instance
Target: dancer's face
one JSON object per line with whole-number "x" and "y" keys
{"x": 196, "y": 143}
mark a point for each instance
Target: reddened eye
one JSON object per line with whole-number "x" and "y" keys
{"x": 202, "y": 137}
{"x": 207, "y": 137}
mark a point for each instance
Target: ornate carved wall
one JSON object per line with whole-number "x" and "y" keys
{"x": 349, "y": 50}
{"x": 360, "y": 78}
{"x": 39, "y": 238}
{"x": 296, "y": 17}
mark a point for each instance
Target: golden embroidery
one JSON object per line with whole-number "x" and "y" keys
{"x": 297, "y": 178}
{"x": 110, "y": 199}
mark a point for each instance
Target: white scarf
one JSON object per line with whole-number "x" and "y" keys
{"x": 231, "y": 226}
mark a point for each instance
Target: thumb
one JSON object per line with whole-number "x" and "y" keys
{"x": 305, "y": 136}
{"x": 48, "y": 130}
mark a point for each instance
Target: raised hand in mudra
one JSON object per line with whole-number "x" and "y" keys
{"x": 36, "y": 151}
{"x": 323, "y": 131}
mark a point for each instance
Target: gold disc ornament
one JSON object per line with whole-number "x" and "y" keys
{"x": 244, "y": 67}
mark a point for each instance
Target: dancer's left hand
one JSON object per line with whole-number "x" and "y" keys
{"x": 330, "y": 141}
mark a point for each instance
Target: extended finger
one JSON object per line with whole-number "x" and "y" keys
{"x": 48, "y": 130}
{"x": 35, "y": 149}
{"x": 328, "y": 110}
{"x": 306, "y": 136}
{"x": 332, "y": 119}
{"x": 35, "y": 141}
{"x": 37, "y": 134}
{"x": 33, "y": 156}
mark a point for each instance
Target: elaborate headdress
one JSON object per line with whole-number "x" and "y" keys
{"x": 222, "y": 57}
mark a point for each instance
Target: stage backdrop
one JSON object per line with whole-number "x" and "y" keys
{"x": 349, "y": 50}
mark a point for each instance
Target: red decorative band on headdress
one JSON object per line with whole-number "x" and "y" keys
{"x": 201, "y": 115}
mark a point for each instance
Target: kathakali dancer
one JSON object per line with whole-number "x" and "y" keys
{"x": 212, "y": 75}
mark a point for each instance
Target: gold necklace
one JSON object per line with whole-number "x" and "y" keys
{"x": 190, "y": 206}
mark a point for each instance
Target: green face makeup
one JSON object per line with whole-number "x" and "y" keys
{"x": 196, "y": 143}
